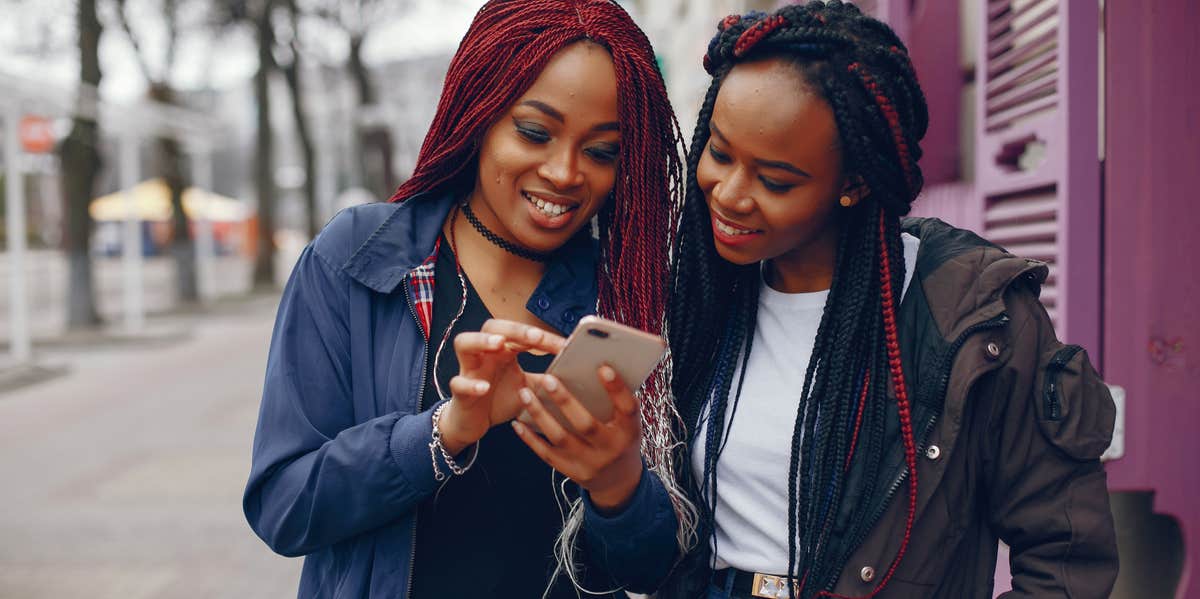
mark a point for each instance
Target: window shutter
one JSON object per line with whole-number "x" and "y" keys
{"x": 1037, "y": 158}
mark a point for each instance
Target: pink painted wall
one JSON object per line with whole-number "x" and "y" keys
{"x": 1152, "y": 239}
{"x": 933, "y": 42}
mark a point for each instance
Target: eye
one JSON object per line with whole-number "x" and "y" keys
{"x": 774, "y": 186}
{"x": 604, "y": 153}
{"x": 532, "y": 133}
{"x": 718, "y": 155}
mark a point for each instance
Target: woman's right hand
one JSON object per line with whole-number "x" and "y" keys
{"x": 486, "y": 390}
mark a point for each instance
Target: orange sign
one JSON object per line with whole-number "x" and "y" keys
{"x": 37, "y": 134}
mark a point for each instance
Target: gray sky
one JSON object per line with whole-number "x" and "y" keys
{"x": 37, "y": 41}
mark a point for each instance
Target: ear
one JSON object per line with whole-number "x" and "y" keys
{"x": 854, "y": 190}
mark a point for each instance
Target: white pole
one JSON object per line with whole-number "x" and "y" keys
{"x": 131, "y": 244}
{"x": 14, "y": 189}
{"x": 202, "y": 175}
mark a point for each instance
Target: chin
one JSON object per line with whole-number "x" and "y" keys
{"x": 739, "y": 258}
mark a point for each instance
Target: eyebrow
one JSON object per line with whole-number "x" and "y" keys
{"x": 779, "y": 164}
{"x": 558, "y": 116}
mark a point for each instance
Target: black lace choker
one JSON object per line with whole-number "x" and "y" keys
{"x": 499, "y": 241}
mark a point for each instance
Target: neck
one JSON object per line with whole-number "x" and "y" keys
{"x": 806, "y": 268}
{"x": 479, "y": 256}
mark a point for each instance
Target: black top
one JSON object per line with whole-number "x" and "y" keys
{"x": 489, "y": 532}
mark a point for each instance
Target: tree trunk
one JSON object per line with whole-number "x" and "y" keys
{"x": 171, "y": 167}
{"x": 264, "y": 176}
{"x": 292, "y": 73}
{"x": 81, "y": 163}
{"x": 374, "y": 137}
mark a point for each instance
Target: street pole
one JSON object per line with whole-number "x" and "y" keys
{"x": 14, "y": 189}
{"x": 131, "y": 244}
{"x": 202, "y": 176}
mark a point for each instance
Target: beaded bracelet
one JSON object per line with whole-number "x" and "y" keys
{"x": 436, "y": 448}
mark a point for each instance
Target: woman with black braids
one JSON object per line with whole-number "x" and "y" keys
{"x": 871, "y": 403}
{"x": 546, "y": 190}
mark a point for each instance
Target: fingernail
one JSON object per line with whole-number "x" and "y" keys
{"x": 526, "y": 396}
{"x": 482, "y": 387}
{"x": 518, "y": 427}
{"x": 495, "y": 340}
{"x": 550, "y": 384}
{"x": 533, "y": 334}
{"x": 608, "y": 374}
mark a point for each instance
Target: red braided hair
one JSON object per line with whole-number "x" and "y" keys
{"x": 893, "y": 119}
{"x": 503, "y": 52}
{"x": 903, "y": 406}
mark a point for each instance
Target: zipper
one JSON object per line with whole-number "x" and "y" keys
{"x": 1054, "y": 369}
{"x": 947, "y": 362}
{"x": 412, "y": 553}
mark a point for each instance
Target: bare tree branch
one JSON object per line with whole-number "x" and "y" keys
{"x": 123, "y": 21}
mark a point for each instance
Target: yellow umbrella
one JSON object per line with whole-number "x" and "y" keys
{"x": 152, "y": 202}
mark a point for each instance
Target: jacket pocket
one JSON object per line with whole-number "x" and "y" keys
{"x": 1076, "y": 411}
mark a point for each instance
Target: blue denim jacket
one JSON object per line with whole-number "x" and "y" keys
{"x": 341, "y": 457}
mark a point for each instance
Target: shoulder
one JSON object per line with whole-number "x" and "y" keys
{"x": 349, "y": 229}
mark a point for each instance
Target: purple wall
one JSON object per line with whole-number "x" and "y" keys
{"x": 941, "y": 78}
{"x": 1152, "y": 238}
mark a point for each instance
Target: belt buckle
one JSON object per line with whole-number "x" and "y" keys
{"x": 770, "y": 587}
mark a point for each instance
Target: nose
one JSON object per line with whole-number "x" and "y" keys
{"x": 731, "y": 192}
{"x": 561, "y": 168}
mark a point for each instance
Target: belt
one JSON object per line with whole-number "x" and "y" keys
{"x": 754, "y": 584}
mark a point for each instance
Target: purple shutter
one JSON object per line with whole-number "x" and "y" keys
{"x": 1037, "y": 158}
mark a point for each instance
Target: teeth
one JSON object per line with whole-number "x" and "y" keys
{"x": 728, "y": 230}
{"x": 547, "y": 208}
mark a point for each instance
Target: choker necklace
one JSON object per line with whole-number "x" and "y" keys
{"x": 499, "y": 241}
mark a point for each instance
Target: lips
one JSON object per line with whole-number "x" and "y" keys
{"x": 731, "y": 234}
{"x": 550, "y": 206}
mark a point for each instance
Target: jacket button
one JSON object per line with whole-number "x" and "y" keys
{"x": 570, "y": 317}
{"x": 867, "y": 574}
{"x": 933, "y": 452}
{"x": 993, "y": 349}
{"x": 543, "y": 303}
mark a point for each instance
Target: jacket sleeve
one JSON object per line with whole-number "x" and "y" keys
{"x": 1049, "y": 494}
{"x": 319, "y": 477}
{"x": 636, "y": 547}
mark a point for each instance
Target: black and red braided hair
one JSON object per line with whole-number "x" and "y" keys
{"x": 503, "y": 52}
{"x": 505, "y": 49}
{"x": 846, "y": 421}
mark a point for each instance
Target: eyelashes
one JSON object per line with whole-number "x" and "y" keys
{"x": 769, "y": 184}
{"x": 603, "y": 153}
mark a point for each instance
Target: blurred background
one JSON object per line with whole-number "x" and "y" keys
{"x": 163, "y": 162}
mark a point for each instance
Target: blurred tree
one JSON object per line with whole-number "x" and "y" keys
{"x": 81, "y": 164}
{"x": 290, "y": 54}
{"x": 259, "y": 16}
{"x": 356, "y": 18}
{"x": 170, "y": 160}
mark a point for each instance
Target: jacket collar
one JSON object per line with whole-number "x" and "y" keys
{"x": 407, "y": 238}
{"x": 965, "y": 276}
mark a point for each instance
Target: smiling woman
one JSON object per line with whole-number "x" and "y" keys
{"x": 378, "y": 456}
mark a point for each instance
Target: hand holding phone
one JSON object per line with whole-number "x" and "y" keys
{"x": 632, "y": 353}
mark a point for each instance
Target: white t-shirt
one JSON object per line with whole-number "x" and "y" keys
{"x": 752, "y": 472}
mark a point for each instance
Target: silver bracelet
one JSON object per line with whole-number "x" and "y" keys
{"x": 436, "y": 448}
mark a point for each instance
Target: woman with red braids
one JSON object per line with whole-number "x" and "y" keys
{"x": 547, "y": 189}
{"x": 871, "y": 403}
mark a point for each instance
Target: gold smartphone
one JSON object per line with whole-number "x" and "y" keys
{"x": 596, "y": 341}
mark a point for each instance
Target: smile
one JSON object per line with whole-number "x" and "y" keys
{"x": 547, "y": 207}
{"x": 728, "y": 230}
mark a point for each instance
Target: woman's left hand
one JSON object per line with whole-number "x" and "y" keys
{"x": 602, "y": 457}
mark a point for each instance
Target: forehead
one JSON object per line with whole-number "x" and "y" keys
{"x": 579, "y": 79}
{"x": 765, "y": 107}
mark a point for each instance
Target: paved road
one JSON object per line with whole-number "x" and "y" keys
{"x": 123, "y": 478}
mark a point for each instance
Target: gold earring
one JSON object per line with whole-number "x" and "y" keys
{"x": 846, "y": 201}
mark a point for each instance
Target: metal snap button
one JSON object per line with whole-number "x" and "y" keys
{"x": 543, "y": 303}
{"x": 993, "y": 349}
{"x": 867, "y": 574}
{"x": 933, "y": 452}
